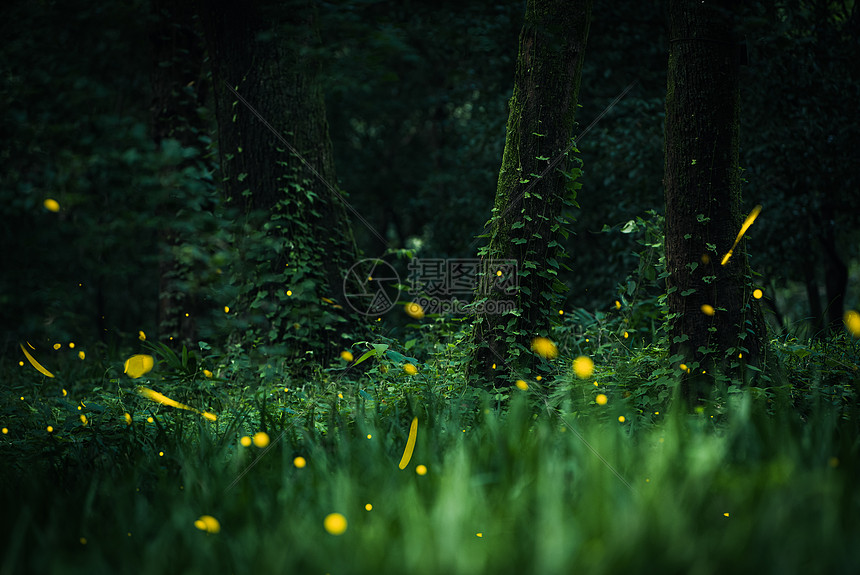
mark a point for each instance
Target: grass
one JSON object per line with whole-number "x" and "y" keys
{"x": 750, "y": 484}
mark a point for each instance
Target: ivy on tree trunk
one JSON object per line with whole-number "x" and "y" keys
{"x": 537, "y": 181}
{"x": 295, "y": 224}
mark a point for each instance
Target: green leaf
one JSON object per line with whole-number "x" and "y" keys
{"x": 365, "y": 355}
{"x": 379, "y": 348}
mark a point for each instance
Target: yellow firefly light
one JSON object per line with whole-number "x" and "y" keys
{"x": 208, "y": 523}
{"x": 544, "y": 347}
{"x": 852, "y": 322}
{"x": 261, "y": 439}
{"x": 414, "y": 310}
{"x": 335, "y": 523}
{"x": 410, "y": 444}
{"x": 747, "y": 223}
{"x": 35, "y": 363}
{"x": 138, "y": 365}
{"x": 162, "y": 399}
{"x": 583, "y": 367}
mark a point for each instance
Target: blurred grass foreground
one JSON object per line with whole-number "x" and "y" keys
{"x": 750, "y": 487}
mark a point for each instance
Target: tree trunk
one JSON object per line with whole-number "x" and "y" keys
{"x": 835, "y": 270}
{"x": 528, "y": 222}
{"x": 265, "y": 51}
{"x": 703, "y": 198}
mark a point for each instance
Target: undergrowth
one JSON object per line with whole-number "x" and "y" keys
{"x": 546, "y": 479}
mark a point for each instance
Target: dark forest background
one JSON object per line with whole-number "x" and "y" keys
{"x": 416, "y": 96}
{"x": 184, "y": 389}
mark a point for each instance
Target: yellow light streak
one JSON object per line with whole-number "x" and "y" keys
{"x": 164, "y": 400}
{"x": 747, "y": 223}
{"x": 410, "y": 444}
{"x": 35, "y": 363}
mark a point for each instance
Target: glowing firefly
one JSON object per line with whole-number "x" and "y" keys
{"x": 164, "y": 400}
{"x": 410, "y": 444}
{"x": 747, "y": 223}
{"x": 35, "y": 363}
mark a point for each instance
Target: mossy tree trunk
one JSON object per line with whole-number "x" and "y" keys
{"x": 296, "y": 229}
{"x": 703, "y": 199}
{"x": 536, "y": 182}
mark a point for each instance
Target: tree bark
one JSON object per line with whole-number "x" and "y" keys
{"x": 528, "y": 222}
{"x": 835, "y": 270}
{"x": 265, "y": 51}
{"x": 703, "y": 198}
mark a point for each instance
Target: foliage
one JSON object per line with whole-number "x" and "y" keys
{"x": 538, "y": 248}
{"x": 538, "y": 477}
{"x": 276, "y": 310}
{"x": 800, "y": 102}
{"x": 438, "y": 137}
{"x": 77, "y": 133}
{"x": 545, "y": 482}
